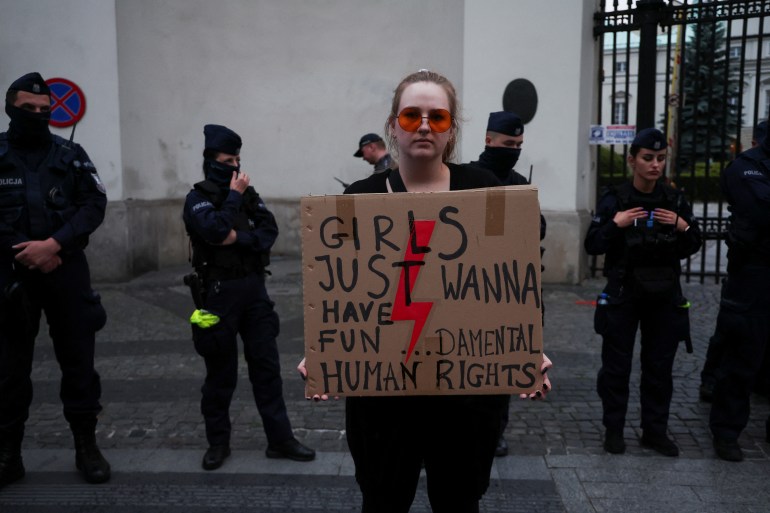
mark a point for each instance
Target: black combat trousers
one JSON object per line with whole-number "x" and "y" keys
{"x": 244, "y": 308}
{"x": 74, "y": 314}
{"x": 390, "y": 438}
{"x": 744, "y": 323}
{"x": 663, "y": 325}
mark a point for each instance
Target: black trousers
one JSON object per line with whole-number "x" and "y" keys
{"x": 74, "y": 314}
{"x": 663, "y": 325}
{"x": 244, "y": 308}
{"x": 744, "y": 322}
{"x": 390, "y": 438}
{"x": 718, "y": 345}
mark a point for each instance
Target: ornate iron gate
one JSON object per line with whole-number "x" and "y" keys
{"x": 699, "y": 71}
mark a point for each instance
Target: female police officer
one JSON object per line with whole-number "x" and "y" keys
{"x": 644, "y": 228}
{"x": 232, "y": 232}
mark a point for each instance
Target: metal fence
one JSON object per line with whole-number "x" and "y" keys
{"x": 699, "y": 71}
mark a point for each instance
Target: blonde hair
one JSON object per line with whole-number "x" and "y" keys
{"x": 425, "y": 75}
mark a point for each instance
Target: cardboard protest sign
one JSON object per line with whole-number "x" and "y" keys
{"x": 423, "y": 293}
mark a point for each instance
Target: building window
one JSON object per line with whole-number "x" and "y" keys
{"x": 620, "y": 67}
{"x": 735, "y": 52}
{"x": 619, "y": 110}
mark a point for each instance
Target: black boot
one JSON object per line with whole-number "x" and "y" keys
{"x": 88, "y": 457}
{"x": 11, "y": 465}
{"x": 291, "y": 449}
{"x": 661, "y": 443}
{"x": 613, "y": 441}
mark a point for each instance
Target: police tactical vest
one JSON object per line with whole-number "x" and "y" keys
{"x": 232, "y": 261}
{"x": 648, "y": 242}
{"x": 747, "y": 241}
{"x": 38, "y": 202}
{"x": 649, "y": 265}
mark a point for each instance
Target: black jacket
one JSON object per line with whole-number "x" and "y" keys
{"x": 628, "y": 247}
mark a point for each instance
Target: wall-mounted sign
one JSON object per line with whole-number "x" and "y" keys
{"x": 68, "y": 103}
{"x": 612, "y": 134}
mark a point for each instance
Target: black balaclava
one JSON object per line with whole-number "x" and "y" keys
{"x": 29, "y": 128}
{"x": 499, "y": 159}
{"x": 223, "y": 140}
{"x": 219, "y": 172}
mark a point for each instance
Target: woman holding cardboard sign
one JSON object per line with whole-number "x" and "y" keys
{"x": 455, "y": 437}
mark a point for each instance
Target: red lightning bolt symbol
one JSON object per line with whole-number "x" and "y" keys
{"x": 403, "y": 308}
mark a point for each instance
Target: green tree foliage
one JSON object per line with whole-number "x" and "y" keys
{"x": 709, "y": 114}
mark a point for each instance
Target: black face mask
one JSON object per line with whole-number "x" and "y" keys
{"x": 500, "y": 158}
{"x": 219, "y": 172}
{"x": 28, "y": 127}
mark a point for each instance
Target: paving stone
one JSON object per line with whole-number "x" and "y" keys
{"x": 151, "y": 396}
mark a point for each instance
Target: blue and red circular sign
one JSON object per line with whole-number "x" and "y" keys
{"x": 68, "y": 103}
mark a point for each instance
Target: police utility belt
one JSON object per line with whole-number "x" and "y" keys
{"x": 201, "y": 281}
{"x": 214, "y": 263}
{"x": 208, "y": 273}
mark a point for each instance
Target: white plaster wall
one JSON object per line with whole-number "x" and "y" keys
{"x": 74, "y": 40}
{"x": 551, "y": 45}
{"x": 300, "y": 81}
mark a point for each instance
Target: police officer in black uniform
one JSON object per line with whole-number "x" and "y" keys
{"x": 232, "y": 232}
{"x": 503, "y": 141}
{"x": 372, "y": 149}
{"x": 505, "y": 136}
{"x": 644, "y": 228}
{"x": 718, "y": 342}
{"x": 51, "y": 200}
{"x": 744, "y": 310}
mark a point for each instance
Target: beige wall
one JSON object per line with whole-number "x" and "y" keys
{"x": 301, "y": 81}
{"x": 551, "y": 45}
{"x": 74, "y": 40}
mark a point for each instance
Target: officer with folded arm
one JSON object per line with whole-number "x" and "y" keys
{"x": 51, "y": 200}
{"x": 232, "y": 232}
{"x": 643, "y": 227}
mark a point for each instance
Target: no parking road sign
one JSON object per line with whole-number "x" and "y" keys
{"x": 68, "y": 103}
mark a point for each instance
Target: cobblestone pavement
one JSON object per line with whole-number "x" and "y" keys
{"x": 151, "y": 427}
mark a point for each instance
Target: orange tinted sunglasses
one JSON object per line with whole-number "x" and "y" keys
{"x": 410, "y": 119}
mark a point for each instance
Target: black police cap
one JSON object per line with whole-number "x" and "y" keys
{"x": 650, "y": 139}
{"x": 506, "y": 123}
{"x": 31, "y": 83}
{"x": 222, "y": 139}
{"x": 366, "y": 139}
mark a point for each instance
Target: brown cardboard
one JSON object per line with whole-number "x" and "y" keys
{"x": 356, "y": 259}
